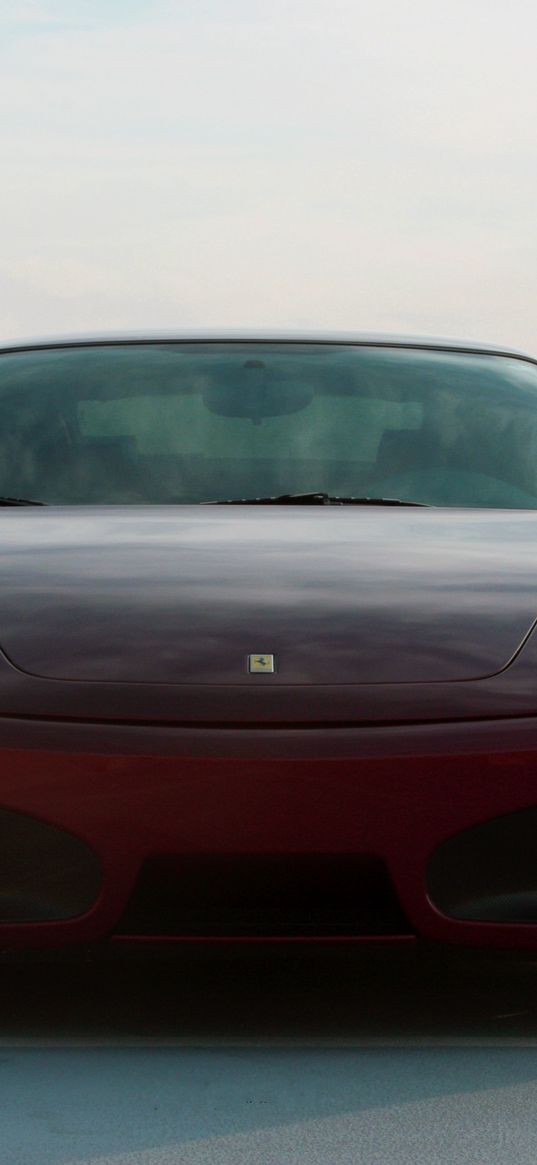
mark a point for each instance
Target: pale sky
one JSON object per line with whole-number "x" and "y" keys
{"x": 311, "y": 163}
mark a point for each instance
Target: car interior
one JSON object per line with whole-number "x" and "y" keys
{"x": 175, "y": 433}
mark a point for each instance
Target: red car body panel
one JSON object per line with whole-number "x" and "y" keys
{"x": 395, "y": 793}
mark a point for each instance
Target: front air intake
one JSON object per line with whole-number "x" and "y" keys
{"x": 488, "y": 873}
{"x": 46, "y": 874}
{"x": 287, "y": 895}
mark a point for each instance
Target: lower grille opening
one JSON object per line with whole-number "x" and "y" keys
{"x": 287, "y": 895}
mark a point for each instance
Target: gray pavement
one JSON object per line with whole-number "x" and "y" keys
{"x": 270, "y": 1058}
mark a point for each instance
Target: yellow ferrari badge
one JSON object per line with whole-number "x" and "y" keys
{"x": 260, "y": 663}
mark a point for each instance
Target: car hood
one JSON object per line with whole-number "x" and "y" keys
{"x": 340, "y": 596}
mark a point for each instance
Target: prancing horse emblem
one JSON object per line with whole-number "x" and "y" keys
{"x": 260, "y": 663}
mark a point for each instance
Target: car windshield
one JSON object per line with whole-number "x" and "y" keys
{"x": 184, "y": 423}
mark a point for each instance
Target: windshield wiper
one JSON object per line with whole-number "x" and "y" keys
{"x": 312, "y": 499}
{"x": 20, "y": 502}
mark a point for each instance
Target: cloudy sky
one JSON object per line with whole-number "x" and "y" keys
{"x": 299, "y": 162}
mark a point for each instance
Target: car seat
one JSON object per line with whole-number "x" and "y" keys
{"x": 95, "y": 469}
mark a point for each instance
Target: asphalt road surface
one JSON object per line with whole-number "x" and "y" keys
{"x": 270, "y": 1057}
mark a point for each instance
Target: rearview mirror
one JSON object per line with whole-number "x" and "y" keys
{"x": 251, "y": 391}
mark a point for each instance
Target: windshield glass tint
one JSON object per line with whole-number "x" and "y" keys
{"x": 185, "y": 423}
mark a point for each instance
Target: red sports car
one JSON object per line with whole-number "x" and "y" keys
{"x": 268, "y": 663}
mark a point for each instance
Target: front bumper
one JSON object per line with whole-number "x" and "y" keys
{"x": 136, "y": 794}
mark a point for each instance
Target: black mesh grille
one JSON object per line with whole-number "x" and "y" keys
{"x": 264, "y": 894}
{"x": 46, "y": 874}
{"x": 488, "y": 873}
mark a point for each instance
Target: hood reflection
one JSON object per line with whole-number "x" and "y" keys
{"x": 184, "y": 595}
